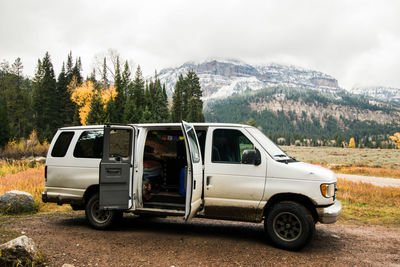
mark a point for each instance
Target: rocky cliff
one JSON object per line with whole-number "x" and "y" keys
{"x": 223, "y": 78}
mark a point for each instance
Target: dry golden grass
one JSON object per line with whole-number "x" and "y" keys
{"x": 360, "y": 161}
{"x": 366, "y": 203}
{"x": 31, "y": 181}
{"x": 12, "y": 167}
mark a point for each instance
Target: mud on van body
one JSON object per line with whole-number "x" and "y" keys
{"x": 220, "y": 171}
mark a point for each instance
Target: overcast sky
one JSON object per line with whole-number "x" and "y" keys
{"x": 357, "y": 42}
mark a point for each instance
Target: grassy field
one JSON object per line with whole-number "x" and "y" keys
{"x": 32, "y": 181}
{"x": 368, "y": 204}
{"x": 360, "y": 161}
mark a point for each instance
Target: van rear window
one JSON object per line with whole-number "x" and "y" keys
{"x": 61, "y": 146}
{"x": 89, "y": 145}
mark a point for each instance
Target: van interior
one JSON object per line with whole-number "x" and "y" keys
{"x": 164, "y": 169}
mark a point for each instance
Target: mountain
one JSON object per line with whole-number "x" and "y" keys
{"x": 223, "y": 78}
{"x": 387, "y": 94}
{"x": 306, "y": 116}
{"x": 293, "y": 104}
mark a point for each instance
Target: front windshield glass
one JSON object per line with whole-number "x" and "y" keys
{"x": 272, "y": 149}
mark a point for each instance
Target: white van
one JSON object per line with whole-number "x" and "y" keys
{"x": 211, "y": 170}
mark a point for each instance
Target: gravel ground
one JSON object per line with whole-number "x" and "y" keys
{"x": 67, "y": 238}
{"x": 377, "y": 181}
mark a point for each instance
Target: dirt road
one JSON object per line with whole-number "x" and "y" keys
{"x": 377, "y": 181}
{"x": 67, "y": 238}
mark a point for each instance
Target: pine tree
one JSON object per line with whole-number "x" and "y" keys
{"x": 126, "y": 80}
{"x": 177, "y": 103}
{"x": 159, "y": 103}
{"x": 186, "y": 100}
{"x": 192, "y": 98}
{"x": 148, "y": 104}
{"x": 17, "y": 100}
{"x": 96, "y": 114}
{"x": 119, "y": 101}
{"x": 110, "y": 112}
{"x": 127, "y": 91}
{"x": 147, "y": 116}
{"x": 131, "y": 115}
{"x": 69, "y": 72}
{"x": 72, "y": 75}
{"x": 67, "y": 107}
{"x": 45, "y": 102}
{"x": 4, "y": 130}
{"x": 76, "y": 71}
{"x": 135, "y": 103}
{"x": 165, "y": 115}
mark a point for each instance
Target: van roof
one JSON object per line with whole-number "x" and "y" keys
{"x": 87, "y": 127}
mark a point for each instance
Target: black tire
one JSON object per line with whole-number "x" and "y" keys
{"x": 100, "y": 219}
{"x": 77, "y": 207}
{"x": 289, "y": 225}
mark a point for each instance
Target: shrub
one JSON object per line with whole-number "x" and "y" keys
{"x": 25, "y": 148}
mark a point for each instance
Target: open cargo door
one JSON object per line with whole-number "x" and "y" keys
{"x": 116, "y": 167}
{"x": 194, "y": 171}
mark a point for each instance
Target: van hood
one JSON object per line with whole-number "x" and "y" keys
{"x": 303, "y": 171}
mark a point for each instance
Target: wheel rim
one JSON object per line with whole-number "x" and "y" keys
{"x": 99, "y": 216}
{"x": 287, "y": 226}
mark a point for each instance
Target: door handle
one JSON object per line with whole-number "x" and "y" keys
{"x": 113, "y": 171}
{"x": 208, "y": 182}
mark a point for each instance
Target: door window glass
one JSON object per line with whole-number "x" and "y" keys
{"x": 120, "y": 143}
{"x": 194, "y": 148}
{"x": 89, "y": 145}
{"x": 61, "y": 146}
{"x": 228, "y": 146}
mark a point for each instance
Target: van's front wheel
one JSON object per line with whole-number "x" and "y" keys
{"x": 289, "y": 225}
{"x": 99, "y": 219}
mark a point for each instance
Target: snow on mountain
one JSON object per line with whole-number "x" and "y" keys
{"x": 221, "y": 78}
{"x": 382, "y": 93}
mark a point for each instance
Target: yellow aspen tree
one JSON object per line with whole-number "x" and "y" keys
{"x": 352, "y": 143}
{"x": 396, "y": 139}
{"x": 82, "y": 95}
{"x": 107, "y": 94}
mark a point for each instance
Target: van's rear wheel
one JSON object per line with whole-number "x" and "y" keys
{"x": 289, "y": 225}
{"x": 100, "y": 219}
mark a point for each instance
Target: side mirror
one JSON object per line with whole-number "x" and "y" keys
{"x": 251, "y": 156}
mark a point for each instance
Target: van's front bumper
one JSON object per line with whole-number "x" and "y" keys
{"x": 331, "y": 213}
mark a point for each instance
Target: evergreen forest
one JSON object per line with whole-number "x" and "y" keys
{"x": 110, "y": 94}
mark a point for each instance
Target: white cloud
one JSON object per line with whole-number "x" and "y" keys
{"x": 355, "y": 41}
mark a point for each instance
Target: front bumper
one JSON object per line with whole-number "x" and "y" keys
{"x": 330, "y": 214}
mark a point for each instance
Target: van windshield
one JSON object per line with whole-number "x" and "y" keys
{"x": 272, "y": 149}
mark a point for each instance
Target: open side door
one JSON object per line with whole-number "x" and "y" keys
{"x": 194, "y": 171}
{"x": 116, "y": 167}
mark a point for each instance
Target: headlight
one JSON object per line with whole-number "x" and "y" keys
{"x": 328, "y": 190}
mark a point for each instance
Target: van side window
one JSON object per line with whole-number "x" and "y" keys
{"x": 228, "y": 146}
{"x": 89, "y": 145}
{"x": 193, "y": 146}
{"x": 61, "y": 146}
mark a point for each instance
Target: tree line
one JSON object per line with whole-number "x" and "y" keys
{"x": 110, "y": 94}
